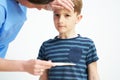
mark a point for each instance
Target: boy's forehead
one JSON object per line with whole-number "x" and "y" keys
{"x": 62, "y": 11}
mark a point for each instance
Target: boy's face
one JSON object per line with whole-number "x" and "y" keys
{"x": 65, "y": 20}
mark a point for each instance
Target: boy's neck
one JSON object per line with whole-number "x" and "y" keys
{"x": 67, "y": 36}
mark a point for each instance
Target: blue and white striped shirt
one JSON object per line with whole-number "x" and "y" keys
{"x": 78, "y": 50}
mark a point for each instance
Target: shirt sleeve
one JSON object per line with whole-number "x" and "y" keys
{"x": 92, "y": 54}
{"x": 2, "y": 16}
{"x": 41, "y": 54}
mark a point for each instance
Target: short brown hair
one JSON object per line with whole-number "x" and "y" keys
{"x": 77, "y": 5}
{"x": 40, "y": 1}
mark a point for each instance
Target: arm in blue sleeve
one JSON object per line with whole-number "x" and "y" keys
{"x": 2, "y": 16}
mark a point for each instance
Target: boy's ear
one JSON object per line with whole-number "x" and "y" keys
{"x": 79, "y": 17}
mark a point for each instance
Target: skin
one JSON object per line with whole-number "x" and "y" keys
{"x": 92, "y": 71}
{"x": 65, "y": 22}
{"x": 67, "y": 4}
{"x": 34, "y": 67}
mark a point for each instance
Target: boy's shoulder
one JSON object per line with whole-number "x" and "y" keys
{"x": 85, "y": 39}
{"x": 49, "y": 40}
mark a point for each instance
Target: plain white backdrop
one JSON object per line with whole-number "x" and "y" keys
{"x": 101, "y": 22}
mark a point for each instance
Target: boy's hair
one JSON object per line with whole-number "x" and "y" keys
{"x": 40, "y": 1}
{"x": 77, "y": 6}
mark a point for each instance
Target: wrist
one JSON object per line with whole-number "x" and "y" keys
{"x": 22, "y": 68}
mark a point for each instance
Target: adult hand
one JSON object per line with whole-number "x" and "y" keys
{"x": 68, "y": 4}
{"x": 36, "y": 67}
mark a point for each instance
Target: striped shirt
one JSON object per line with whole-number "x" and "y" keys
{"x": 78, "y": 50}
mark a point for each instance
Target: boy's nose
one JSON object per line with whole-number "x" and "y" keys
{"x": 61, "y": 19}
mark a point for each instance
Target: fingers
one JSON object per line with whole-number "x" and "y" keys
{"x": 68, "y": 4}
{"x": 36, "y": 67}
{"x": 42, "y": 65}
{"x": 39, "y": 72}
{"x": 45, "y": 64}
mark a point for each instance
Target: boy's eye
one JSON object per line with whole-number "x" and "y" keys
{"x": 67, "y": 15}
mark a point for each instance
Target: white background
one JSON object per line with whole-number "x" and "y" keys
{"x": 101, "y": 22}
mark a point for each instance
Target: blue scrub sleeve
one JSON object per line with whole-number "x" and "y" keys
{"x": 2, "y": 15}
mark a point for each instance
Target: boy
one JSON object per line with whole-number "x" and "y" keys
{"x": 69, "y": 47}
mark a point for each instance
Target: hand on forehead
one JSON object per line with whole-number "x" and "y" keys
{"x": 67, "y": 4}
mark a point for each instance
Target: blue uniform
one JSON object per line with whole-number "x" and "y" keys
{"x": 78, "y": 50}
{"x": 12, "y": 18}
